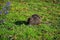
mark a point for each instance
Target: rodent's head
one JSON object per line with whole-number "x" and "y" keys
{"x": 35, "y": 16}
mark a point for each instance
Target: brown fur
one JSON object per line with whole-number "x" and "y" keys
{"x": 34, "y": 20}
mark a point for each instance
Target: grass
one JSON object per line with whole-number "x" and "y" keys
{"x": 20, "y": 11}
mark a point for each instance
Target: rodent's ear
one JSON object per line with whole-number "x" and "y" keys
{"x": 38, "y": 16}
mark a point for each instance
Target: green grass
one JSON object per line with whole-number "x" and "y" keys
{"x": 49, "y": 29}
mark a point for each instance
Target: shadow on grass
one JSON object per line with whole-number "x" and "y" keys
{"x": 21, "y": 22}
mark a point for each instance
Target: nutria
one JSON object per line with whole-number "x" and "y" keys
{"x": 34, "y": 20}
